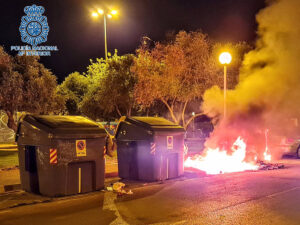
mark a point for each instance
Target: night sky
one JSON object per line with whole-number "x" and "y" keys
{"x": 80, "y": 38}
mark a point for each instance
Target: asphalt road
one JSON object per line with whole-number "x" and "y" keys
{"x": 262, "y": 197}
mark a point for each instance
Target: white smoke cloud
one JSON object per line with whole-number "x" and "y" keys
{"x": 268, "y": 94}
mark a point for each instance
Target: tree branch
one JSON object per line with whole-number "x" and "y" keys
{"x": 173, "y": 103}
{"x": 191, "y": 119}
{"x": 183, "y": 113}
{"x": 129, "y": 111}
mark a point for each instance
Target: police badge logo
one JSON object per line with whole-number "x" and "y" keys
{"x": 34, "y": 30}
{"x": 34, "y": 26}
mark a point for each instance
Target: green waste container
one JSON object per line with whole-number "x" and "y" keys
{"x": 60, "y": 155}
{"x": 149, "y": 148}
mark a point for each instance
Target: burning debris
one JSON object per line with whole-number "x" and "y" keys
{"x": 267, "y": 154}
{"x": 269, "y": 166}
{"x": 216, "y": 161}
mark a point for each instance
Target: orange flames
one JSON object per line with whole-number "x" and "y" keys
{"x": 267, "y": 155}
{"x": 217, "y": 161}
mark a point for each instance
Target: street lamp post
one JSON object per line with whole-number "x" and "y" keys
{"x": 193, "y": 114}
{"x": 105, "y": 14}
{"x": 105, "y": 37}
{"x": 225, "y": 59}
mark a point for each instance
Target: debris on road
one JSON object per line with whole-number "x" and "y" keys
{"x": 118, "y": 187}
{"x": 109, "y": 188}
{"x": 269, "y": 166}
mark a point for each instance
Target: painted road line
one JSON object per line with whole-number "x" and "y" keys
{"x": 5, "y": 211}
{"x": 282, "y": 192}
{"x": 109, "y": 204}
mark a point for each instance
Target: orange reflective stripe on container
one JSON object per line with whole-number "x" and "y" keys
{"x": 152, "y": 148}
{"x": 53, "y": 156}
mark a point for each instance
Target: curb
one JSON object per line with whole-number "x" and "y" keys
{"x": 112, "y": 174}
{"x": 12, "y": 187}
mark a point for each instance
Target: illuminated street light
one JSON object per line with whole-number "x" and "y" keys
{"x": 114, "y": 12}
{"x": 225, "y": 59}
{"x": 94, "y": 14}
{"x": 100, "y": 11}
{"x": 108, "y": 14}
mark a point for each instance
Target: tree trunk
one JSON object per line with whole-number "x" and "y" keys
{"x": 118, "y": 111}
{"x": 129, "y": 111}
{"x": 171, "y": 111}
{"x": 11, "y": 121}
{"x": 183, "y": 113}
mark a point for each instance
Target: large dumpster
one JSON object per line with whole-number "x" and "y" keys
{"x": 60, "y": 155}
{"x": 149, "y": 148}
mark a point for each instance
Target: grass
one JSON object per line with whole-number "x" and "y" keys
{"x": 8, "y": 159}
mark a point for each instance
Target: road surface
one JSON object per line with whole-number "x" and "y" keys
{"x": 262, "y": 197}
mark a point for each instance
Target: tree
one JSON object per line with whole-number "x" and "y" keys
{"x": 26, "y": 85}
{"x": 10, "y": 87}
{"x": 178, "y": 73}
{"x": 74, "y": 87}
{"x": 174, "y": 73}
{"x": 111, "y": 87}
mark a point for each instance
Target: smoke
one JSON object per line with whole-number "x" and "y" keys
{"x": 268, "y": 93}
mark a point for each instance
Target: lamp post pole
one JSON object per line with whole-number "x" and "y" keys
{"x": 225, "y": 59}
{"x": 225, "y": 88}
{"x": 105, "y": 14}
{"x": 105, "y": 38}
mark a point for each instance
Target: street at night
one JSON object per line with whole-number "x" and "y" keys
{"x": 159, "y": 112}
{"x": 261, "y": 197}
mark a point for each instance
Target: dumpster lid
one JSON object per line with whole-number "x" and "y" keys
{"x": 64, "y": 124}
{"x": 153, "y": 123}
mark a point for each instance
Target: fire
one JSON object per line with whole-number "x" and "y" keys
{"x": 267, "y": 155}
{"x": 217, "y": 161}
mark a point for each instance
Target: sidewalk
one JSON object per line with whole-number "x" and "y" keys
{"x": 111, "y": 167}
{"x": 9, "y": 176}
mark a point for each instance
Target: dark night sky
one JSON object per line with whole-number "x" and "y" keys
{"x": 80, "y": 38}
